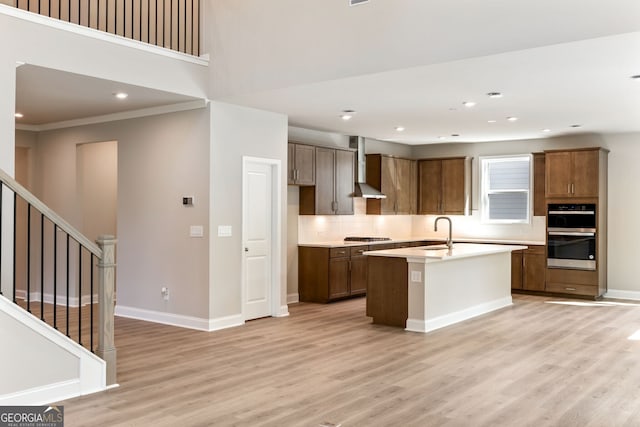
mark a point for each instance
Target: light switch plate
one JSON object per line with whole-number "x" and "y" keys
{"x": 224, "y": 231}
{"x": 196, "y": 231}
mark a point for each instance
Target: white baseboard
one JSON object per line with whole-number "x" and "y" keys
{"x": 620, "y": 294}
{"x": 172, "y": 319}
{"x": 61, "y": 300}
{"x": 43, "y": 395}
{"x": 283, "y": 312}
{"x": 419, "y": 325}
{"x": 293, "y": 298}
{"x": 226, "y": 322}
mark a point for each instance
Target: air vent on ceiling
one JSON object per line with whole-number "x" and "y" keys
{"x": 357, "y": 2}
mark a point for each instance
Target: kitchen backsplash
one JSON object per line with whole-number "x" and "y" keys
{"x": 324, "y": 228}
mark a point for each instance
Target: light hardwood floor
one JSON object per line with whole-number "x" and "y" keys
{"x": 536, "y": 363}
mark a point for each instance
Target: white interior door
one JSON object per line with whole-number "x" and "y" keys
{"x": 257, "y": 235}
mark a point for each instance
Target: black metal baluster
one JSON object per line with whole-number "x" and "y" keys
{"x": 29, "y": 257}
{"x": 15, "y": 237}
{"x": 91, "y": 309}
{"x": 41, "y": 266}
{"x": 55, "y": 276}
{"x": 79, "y": 293}
{"x": 68, "y": 286}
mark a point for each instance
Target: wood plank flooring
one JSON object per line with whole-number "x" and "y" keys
{"x": 537, "y": 363}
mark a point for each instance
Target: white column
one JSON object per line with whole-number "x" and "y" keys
{"x": 7, "y": 164}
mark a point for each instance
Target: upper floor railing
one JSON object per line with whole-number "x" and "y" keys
{"x": 173, "y": 24}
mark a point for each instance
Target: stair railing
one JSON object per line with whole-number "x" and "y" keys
{"x": 38, "y": 265}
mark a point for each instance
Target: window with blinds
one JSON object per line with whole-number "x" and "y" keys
{"x": 506, "y": 189}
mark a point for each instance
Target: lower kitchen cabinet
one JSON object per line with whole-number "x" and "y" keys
{"x": 328, "y": 274}
{"x": 528, "y": 269}
{"x": 573, "y": 282}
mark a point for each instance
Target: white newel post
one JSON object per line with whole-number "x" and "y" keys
{"x": 106, "y": 296}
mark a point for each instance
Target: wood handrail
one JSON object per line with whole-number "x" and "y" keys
{"x": 50, "y": 214}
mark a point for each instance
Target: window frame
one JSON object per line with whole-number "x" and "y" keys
{"x": 483, "y": 163}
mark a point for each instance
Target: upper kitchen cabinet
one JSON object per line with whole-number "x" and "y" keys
{"x": 332, "y": 193}
{"x": 301, "y": 164}
{"x": 444, "y": 186}
{"x": 574, "y": 173}
{"x": 539, "y": 203}
{"x": 397, "y": 179}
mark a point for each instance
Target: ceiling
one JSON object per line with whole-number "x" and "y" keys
{"x": 47, "y": 97}
{"x": 582, "y": 86}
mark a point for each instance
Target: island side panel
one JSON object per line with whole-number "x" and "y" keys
{"x": 457, "y": 290}
{"x": 387, "y": 293}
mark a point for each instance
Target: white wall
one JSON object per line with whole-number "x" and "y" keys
{"x": 237, "y": 132}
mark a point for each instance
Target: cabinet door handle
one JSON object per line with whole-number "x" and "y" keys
{"x": 573, "y": 189}
{"x": 568, "y": 188}
{"x": 569, "y": 289}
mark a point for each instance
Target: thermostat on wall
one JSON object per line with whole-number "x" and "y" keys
{"x": 187, "y": 201}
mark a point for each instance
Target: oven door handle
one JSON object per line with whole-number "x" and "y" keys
{"x": 571, "y": 233}
{"x": 572, "y": 212}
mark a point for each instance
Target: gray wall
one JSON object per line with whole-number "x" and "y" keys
{"x": 237, "y": 132}
{"x": 160, "y": 159}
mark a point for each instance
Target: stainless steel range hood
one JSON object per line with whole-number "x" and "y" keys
{"x": 362, "y": 189}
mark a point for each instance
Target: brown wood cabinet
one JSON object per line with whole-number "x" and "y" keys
{"x": 539, "y": 202}
{"x": 397, "y": 179}
{"x": 572, "y": 173}
{"x": 301, "y": 161}
{"x": 528, "y": 269}
{"x": 332, "y": 193}
{"x": 573, "y": 282}
{"x": 388, "y": 296}
{"x": 328, "y": 274}
{"x": 444, "y": 186}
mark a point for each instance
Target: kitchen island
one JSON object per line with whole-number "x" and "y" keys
{"x": 429, "y": 287}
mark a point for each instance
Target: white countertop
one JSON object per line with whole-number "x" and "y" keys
{"x": 442, "y": 253}
{"x": 340, "y": 243}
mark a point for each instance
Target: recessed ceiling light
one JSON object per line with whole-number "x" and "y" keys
{"x": 576, "y": 126}
{"x": 18, "y": 115}
{"x": 512, "y": 119}
{"x": 455, "y": 134}
{"x": 494, "y": 95}
{"x": 546, "y": 130}
{"x": 491, "y": 121}
{"x": 636, "y": 77}
{"x": 469, "y": 104}
{"x": 347, "y": 114}
{"x": 121, "y": 95}
{"x": 400, "y": 128}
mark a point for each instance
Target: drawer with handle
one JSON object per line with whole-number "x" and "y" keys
{"x": 572, "y": 288}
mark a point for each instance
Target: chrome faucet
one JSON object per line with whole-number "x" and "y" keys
{"x": 435, "y": 228}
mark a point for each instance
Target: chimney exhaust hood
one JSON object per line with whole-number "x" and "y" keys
{"x": 362, "y": 189}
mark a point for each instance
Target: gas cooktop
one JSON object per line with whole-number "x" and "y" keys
{"x": 365, "y": 239}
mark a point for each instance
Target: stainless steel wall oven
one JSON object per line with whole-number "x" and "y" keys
{"x": 571, "y": 236}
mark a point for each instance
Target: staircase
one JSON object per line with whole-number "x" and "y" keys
{"x": 52, "y": 274}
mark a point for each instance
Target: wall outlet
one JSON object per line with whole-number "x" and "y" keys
{"x": 165, "y": 293}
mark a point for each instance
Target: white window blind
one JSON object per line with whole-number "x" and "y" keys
{"x": 506, "y": 189}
